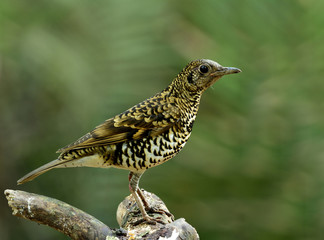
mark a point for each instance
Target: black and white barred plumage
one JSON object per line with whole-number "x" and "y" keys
{"x": 147, "y": 134}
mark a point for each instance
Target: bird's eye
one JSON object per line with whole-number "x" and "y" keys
{"x": 203, "y": 69}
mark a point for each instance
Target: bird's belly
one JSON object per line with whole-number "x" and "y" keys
{"x": 95, "y": 160}
{"x": 149, "y": 152}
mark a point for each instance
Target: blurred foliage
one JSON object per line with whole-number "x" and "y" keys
{"x": 253, "y": 168}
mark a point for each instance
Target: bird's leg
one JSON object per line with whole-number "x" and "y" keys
{"x": 134, "y": 189}
{"x": 141, "y": 195}
{"x": 152, "y": 209}
{"x": 141, "y": 201}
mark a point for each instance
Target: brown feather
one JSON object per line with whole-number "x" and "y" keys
{"x": 148, "y": 118}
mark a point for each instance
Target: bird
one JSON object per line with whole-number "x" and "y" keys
{"x": 147, "y": 134}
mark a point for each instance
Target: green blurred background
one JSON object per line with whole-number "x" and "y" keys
{"x": 253, "y": 168}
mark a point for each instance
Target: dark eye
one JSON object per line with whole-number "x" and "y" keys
{"x": 203, "y": 69}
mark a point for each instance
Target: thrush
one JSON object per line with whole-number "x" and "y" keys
{"x": 146, "y": 135}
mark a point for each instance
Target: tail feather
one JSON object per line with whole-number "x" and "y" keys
{"x": 33, "y": 174}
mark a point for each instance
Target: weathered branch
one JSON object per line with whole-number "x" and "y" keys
{"x": 79, "y": 225}
{"x": 59, "y": 215}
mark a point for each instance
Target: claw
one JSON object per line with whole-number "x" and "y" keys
{"x": 159, "y": 211}
{"x": 147, "y": 220}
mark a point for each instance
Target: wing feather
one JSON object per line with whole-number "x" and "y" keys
{"x": 151, "y": 117}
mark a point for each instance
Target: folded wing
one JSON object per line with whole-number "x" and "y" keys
{"x": 148, "y": 118}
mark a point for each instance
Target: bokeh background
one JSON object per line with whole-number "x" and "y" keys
{"x": 253, "y": 168}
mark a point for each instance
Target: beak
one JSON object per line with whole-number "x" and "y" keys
{"x": 225, "y": 70}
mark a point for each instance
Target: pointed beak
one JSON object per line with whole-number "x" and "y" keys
{"x": 230, "y": 70}
{"x": 225, "y": 71}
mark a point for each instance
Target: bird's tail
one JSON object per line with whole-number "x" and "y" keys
{"x": 30, "y": 176}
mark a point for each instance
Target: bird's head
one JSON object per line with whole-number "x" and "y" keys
{"x": 199, "y": 75}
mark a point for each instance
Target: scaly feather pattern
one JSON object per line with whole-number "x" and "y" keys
{"x": 145, "y": 135}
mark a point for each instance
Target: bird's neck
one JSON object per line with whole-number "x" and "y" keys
{"x": 187, "y": 101}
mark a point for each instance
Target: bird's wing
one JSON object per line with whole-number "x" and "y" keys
{"x": 149, "y": 118}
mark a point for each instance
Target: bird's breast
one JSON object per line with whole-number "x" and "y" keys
{"x": 148, "y": 152}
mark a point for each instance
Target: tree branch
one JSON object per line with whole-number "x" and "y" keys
{"x": 59, "y": 215}
{"x": 77, "y": 224}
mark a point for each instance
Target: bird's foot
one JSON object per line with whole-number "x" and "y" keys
{"x": 149, "y": 220}
{"x": 159, "y": 211}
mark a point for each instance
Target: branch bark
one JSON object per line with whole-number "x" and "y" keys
{"x": 77, "y": 224}
{"x": 59, "y": 215}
